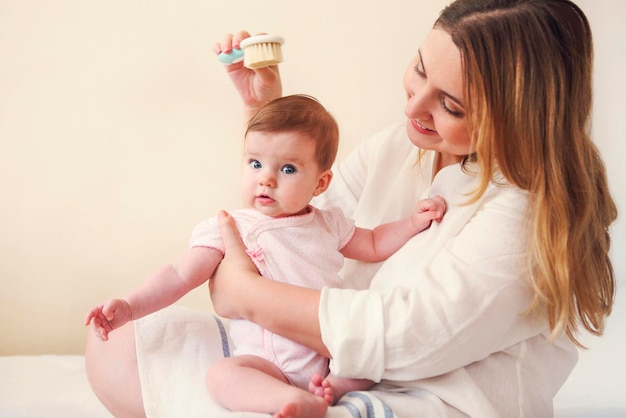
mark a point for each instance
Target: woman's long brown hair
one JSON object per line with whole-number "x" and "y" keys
{"x": 528, "y": 77}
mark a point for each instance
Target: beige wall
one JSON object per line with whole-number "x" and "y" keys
{"x": 119, "y": 131}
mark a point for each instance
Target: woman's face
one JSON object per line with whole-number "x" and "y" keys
{"x": 435, "y": 103}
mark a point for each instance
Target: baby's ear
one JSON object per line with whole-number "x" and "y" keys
{"x": 323, "y": 182}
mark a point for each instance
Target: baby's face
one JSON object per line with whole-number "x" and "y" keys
{"x": 280, "y": 173}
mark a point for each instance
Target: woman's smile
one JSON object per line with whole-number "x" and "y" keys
{"x": 422, "y": 129}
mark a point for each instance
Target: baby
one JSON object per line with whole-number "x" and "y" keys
{"x": 289, "y": 148}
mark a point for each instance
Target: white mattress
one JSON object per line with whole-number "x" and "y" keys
{"x": 47, "y": 387}
{"x": 50, "y": 386}
{"x": 56, "y": 387}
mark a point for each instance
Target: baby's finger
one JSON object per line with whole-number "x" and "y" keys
{"x": 94, "y": 312}
{"x": 88, "y": 317}
{"x": 101, "y": 334}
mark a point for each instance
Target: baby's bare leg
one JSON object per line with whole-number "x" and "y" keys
{"x": 250, "y": 383}
{"x": 332, "y": 388}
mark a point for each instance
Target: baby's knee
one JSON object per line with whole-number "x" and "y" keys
{"x": 217, "y": 368}
{"x": 217, "y": 372}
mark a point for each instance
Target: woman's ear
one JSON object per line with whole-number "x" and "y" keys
{"x": 323, "y": 182}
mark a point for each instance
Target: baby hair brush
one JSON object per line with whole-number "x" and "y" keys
{"x": 257, "y": 52}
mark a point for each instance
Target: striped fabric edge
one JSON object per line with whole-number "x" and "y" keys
{"x": 224, "y": 336}
{"x": 365, "y": 405}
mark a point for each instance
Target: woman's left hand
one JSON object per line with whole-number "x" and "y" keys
{"x": 233, "y": 273}
{"x": 238, "y": 291}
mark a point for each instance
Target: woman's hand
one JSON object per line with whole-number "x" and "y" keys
{"x": 233, "y": 273}
{"x": 256, "y": 87}
{"x": 239, "y": 291}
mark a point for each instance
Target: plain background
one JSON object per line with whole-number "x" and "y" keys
{"x": 119, "y": 131}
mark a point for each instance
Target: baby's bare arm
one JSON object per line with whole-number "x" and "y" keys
{"x": 172, "y": 281}
{"x": 381, "y": 242}
{"x": 161, "y": 289}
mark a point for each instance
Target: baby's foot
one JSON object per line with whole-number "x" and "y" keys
{"x": 322, "y": 388}
{"x": 305, "y": 406}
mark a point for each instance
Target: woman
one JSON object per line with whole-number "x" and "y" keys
{"x": 484, "y": 321}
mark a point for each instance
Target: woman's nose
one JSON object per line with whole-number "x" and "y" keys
{"x": 416, "y": 106}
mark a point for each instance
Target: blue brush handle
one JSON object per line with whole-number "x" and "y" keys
{"x": 235, "y": 55}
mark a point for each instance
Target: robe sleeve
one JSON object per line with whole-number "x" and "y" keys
{"x": 452, "y": 296}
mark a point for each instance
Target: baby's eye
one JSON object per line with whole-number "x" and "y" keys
{"x": 255, "y": 164}
{"x": 288, "y": 169}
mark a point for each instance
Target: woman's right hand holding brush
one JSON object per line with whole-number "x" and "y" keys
{"x": 256, "y": 87}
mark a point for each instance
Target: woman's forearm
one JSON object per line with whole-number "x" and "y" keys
{"x": 287, "y": 310}
{"x": 238, "y": 291}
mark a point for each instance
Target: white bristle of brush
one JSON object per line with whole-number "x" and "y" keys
{"x": 262, "y": 51}
{"x": 262, "y": 55}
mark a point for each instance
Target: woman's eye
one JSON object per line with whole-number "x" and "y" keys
{"x": 419, "y": 71}
{"x": 288, "y": 169}
{"x": 450, "y": 108}
{"x": 255, "y": 164}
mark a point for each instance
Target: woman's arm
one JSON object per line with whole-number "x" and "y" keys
{"x": 238, "y": 291}
{"x": 452, "y": 296}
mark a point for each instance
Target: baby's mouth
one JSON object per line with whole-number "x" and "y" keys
{"x": 264, "y": 199}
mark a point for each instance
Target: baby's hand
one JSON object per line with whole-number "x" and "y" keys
{"x": 105, "y": 318}
{"x": 428, "y": 210}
